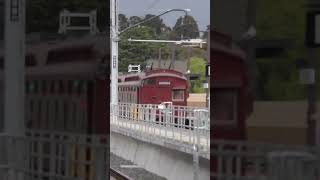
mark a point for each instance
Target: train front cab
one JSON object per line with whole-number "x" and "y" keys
{"x": 231, "y": 102}
{"x": 164, "y": 86}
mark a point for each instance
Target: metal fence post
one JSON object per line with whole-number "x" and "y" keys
{"x": 196, "y": 125}
{"x": 101, "y": 170}
{"x": 288, "y": 165}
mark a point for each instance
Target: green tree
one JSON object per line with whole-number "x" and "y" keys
{"x": 278, "y": 77}
{"x": 186, "y": 27}
{"x": 134, "y": 20}
{"x": 156, "y": 24}
{"x": 198, "y": 66}
{"x": 136, "y": 52}
{"x": 123, "y": 22}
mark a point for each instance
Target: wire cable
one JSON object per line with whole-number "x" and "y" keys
{"x": 152, "y": 5}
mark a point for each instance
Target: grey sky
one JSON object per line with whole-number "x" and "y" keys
{"x": 200, "y": 9}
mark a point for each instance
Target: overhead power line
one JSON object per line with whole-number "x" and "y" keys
{"x": 153, "y": 4}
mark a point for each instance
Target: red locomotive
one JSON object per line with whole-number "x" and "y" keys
{"x": 232, "y": 101}
{"x": 154, "y": 87}
{"x": 65, "y": 80}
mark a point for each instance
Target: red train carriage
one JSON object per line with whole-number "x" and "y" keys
{"x": 231, "y": 102}
{"x": 67, "y": 88}
{"x": 154, "y": 87}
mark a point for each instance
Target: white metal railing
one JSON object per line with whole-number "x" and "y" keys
{"x": 246, "y": 160}
{"x": 181, "y": 125}
{"x": 67, "y": 156}
{"x": 53, "y": 155}
{"x": 65, "y": 21}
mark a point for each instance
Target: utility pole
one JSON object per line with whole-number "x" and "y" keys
{"x": 189, "y": 57}
{"x": 14, "y": 83}
{"x": 173, "y": 56}
{"x": 14, "y": 66}
{"x": 208, "y": 77}
{"x": 114, "y": 52}
{"x": 159, "y": 60}
{"x": 189, "y": 66}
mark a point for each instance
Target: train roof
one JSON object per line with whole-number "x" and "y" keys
{"x": 223, "y": 43}
{"x": 38, "y": 46}
{"x": 149, "y": 74}
{"x": 85, "y": 56}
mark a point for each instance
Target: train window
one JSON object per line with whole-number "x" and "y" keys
{"x": 225, "y": 106}
{"x": 30, "y": 60}
{"x": 134, "y": 78}
{"x": 151, "y": 81}
{"x": 177, "y": 95}
{"x": 69, "y": 54}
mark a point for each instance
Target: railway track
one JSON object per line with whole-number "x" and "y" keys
{"x": 117, "y": 175}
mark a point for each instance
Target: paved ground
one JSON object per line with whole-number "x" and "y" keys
{"x": 129, "y": 169}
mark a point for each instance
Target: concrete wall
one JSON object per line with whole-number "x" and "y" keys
{"x": 164, "y": 162}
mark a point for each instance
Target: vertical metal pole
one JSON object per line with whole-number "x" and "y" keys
{"x": 196, "y": 144}
{"x": 311, "y": 129}
{"x": 312, "y": 90}
{"x": 114, "y": 52}
{"x": 196, "y": 162}
{"x": 173, "y": 57}
{"x": 159, "y": 61}
{"x": 208, "y": 78}
{"x": 251, "y": 21}
{"x": 14, "y": 82}
{"x": 189, "y": 58}
{"x": 188, "y": 67}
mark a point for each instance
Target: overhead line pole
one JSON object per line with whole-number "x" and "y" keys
{"x": 14, "y": 85}
{"x": 114, "y": 52}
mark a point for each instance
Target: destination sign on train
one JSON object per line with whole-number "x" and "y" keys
{"x": 164, "y": 83}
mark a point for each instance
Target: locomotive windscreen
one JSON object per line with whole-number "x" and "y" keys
{"x": 224, "y": 106}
